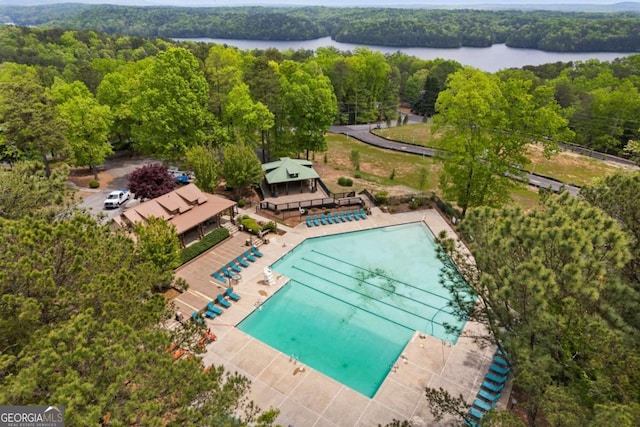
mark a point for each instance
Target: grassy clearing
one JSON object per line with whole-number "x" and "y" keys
{"x": 415, "y": 133}
{"x": 377, "y": 166}
{"x": 567, "y": 167}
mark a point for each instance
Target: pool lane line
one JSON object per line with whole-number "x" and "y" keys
{"x": 353, "y": 305}
{"x": 381, "y": 275}
{"x": 367, "y": 296}
{"x": 372, "y": 284}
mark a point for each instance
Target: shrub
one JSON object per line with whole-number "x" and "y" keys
{"x": 357, "y": 175}
{"x": 250, "y": 224}
{"x": 382, "y": 197}
{"x": 241, "y": 203}
{"x": 94, "y": 183}
{"x": 414, "y": 204}
{"x": 269, "y": 226}
{"x": 207, "y": 242}
{"x": 345, "y": 182}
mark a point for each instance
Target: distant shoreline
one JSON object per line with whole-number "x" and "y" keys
{"x": 490, "y": 59}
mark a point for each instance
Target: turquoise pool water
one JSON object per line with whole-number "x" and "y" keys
{"x": 353, "y": 302}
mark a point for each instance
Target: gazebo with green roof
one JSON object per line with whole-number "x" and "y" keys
{"x": 290, "y": 174}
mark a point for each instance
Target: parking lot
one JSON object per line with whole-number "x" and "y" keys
{"x": 119, "y": 169}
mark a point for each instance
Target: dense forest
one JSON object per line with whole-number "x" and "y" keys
{"x": 80, "y": 318}
{"x": 599, "y": 99}
{"x": 544, "y": 30}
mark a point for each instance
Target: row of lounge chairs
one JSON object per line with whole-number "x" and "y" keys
{"x": 490, "y": 390}
{"x": 233, "y": 267}
{"x": 336, "y": 217}
{"x": 212, "y": 311}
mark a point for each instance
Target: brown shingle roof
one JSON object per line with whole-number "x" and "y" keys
{"x": 185, "y": 208}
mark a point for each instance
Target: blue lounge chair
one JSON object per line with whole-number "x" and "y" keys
{"x": 336, "y": 217}
{"x": 223, "y": 302}
{"x": 488, "y": 396}
{"x": 195, "y": 316}
{"x": 248, "y": 256}
{"x": 316, "y": 221}
{"x": 218, "y": 277}
{"x": 212, "y": 308}
{"x": 242, "y": 262}
{"x": 481, "y": 404}
{"x": 344, "y": 217}
{"x": 210, "y": 314}
{"x": 498, "y": 379}
{"x": 234, "y": 267}
{"x": 356, "y": 215}
{"x": 226, "y": 272}
{"x": 330, "y": 218}
{"x": 476, "y": 414}
{"x": 492, "y": 387}
{"x": 470, "y": 423}
{"x": 323, "y": 220}
{"x": 309, "y": 223}
{"x": 231, "y": 294}
{"x": 498, "y": 369}
{"x": 363, "y": 214}
{"x": 500, "y": 360}
{"x": 256, "y": 252}
{"x": 349, "y": 216}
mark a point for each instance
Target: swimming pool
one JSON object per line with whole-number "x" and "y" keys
{"x": 353, "y": 302}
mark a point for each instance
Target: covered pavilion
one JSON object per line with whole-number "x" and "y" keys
{"x": 290, "y": 175}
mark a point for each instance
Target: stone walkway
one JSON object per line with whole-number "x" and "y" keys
{"x": 308, "y": 398}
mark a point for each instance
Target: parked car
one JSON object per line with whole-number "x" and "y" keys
{"x": 182, "y": 177}
{"x": 116, "y": 198}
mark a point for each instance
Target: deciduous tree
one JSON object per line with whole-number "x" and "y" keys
{"x": 27, "y": 115}
{"x": 309, "y": 103}
{"x": 241, "y": 168}
{"x": 223, "y": 68}
{"x": 205, "y": 164}
{"x": 86, "y": 123}
{"x": 151, "y": 181}
{"x": 485, "y": 122}
{"x": 248, "y": 118}
{"x": 172, "y": 108}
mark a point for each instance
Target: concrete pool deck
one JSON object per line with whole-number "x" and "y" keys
{"x": 306, "y": 397}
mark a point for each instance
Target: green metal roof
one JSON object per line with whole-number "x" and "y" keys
{"x": 288, "y": 170}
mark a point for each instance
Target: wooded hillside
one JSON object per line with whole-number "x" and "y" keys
{"x": 544, "y": 30}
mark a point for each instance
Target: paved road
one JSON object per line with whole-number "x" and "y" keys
{"x": 362, "y": 133}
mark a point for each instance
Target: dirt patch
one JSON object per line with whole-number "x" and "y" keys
{"x": 170, "y": 294}
{"x": 81, "y": 177}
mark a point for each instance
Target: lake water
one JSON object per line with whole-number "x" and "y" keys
{"x": 489, "y": 59}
